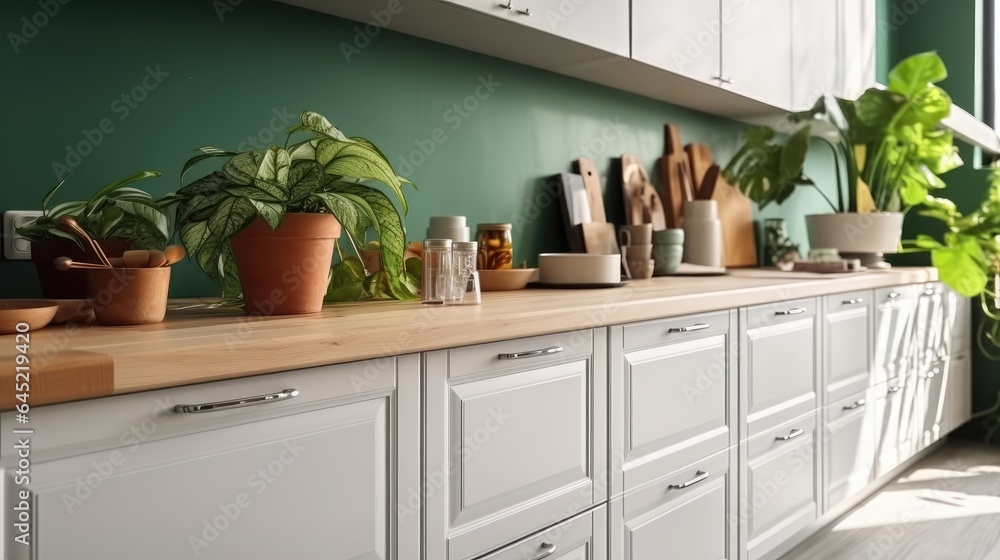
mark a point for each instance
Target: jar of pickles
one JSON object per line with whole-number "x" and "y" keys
{"x": 496, "y": 246}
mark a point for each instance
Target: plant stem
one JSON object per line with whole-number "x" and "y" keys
{"x": 836, "y": 169}
{"x": 826, "y": 198}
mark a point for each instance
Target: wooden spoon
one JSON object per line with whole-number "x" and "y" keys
{"x": 156, "y": 259}
{"x": 174, "y": 254}
{"x": 136, "y": 258}
{"x": 117, "y": 262}
{"x": 69, "y": 225}
{"x": 65, "y": 263}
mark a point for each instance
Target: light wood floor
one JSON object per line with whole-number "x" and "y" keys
{"x": 947, "y": 507}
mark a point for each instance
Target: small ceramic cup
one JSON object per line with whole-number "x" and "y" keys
{"x": 128, "y": 296}
{"x": 668, "y": 237}
{"x": 636, "y": 257}
{"x": 638, "y": 234}
{"x": 666, "y": 258}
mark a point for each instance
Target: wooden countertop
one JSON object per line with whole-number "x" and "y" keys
{"x": 198, "y": 345}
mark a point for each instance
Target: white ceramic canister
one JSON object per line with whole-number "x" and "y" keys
{"x": 702, "y": 233}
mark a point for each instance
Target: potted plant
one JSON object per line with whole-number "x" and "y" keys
{"x": 888, "y": 153}
{"x": 265, "y": 226}
{"x": 118, "y": 216}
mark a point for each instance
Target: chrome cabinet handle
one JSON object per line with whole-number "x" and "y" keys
{"x": 894, "y": 389}
{"x": 894, "y": 295}
{"x": 792, "y": 311}
{"x": 857, "y": 404}
{"x": 689, "y": 328}
{"x": 723, "y": 79}
{"x": 509, "y": 6}
{"x": 527, "y": 12}
{"x": 791, "y": 435}
{"x": 531, "y": 353}
{"x": 933, "y": 372}
{"x": 853, "y": 301}
{"x": 548, "y": 549}
{"x": 217, "y": 406}
{"x": 698, "y": 477}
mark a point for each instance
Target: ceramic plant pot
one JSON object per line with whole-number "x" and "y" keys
{"x": 853, "y": 233}
{"x": 128, "y": 296}
{"x": 286, "y": 271}
{"x": 70, "y": 284}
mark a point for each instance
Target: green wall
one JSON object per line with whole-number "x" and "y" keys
{"x": 955, "y": 30}
{"x": 226, "y": 78}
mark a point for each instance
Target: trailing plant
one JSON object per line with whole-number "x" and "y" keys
{"x": 324, "y": 172}
{"x": 967, "y": 256}
{"x": 887, "y": 146}
{"x": 115, "y": 211}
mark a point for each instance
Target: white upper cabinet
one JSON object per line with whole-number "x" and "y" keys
{"x": 815, "y": 68}
{"x": 757, "y": 49}
{"x": 603, "y": 25}
{"x": 858, "y": 31}
{"x": 679, "y": 35}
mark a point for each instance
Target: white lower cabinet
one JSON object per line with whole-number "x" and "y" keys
{"x": 894, "y": 406}
{"x": 958, "y": 394}
{"x": 584, "y": 537}
{"x": 516, "y": 439}
{"x": 780, "y": 485}
{"x": 314, "y": 475}
{"x": 849, "y": 448}
{"x": 689, "y": 514}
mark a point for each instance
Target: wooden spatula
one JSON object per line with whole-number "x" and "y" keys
{"x": 671, "y": 168}
{"x": 642, "y": 203}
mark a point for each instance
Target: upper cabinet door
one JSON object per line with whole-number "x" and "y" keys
{"x": 815, "y": 67}
{"x": 857, "y": 46}
{"x": 603, "y": 25}
{"x": 680, "y": 36}
{"x": 757, "y": 49}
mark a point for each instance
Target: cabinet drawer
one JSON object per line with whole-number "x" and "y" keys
{"x": 780, "y": 359}
{"x": 849, "y": 448}
{"x": 847, "y": 344}
{"x": 780, "y": 487}
{"x": 520, "y": 353}
{"x": 672, "y": 403}
{"x": 512, "y": 450}
{"x": 895, "y": 309}
{"x": 687, "y": 514}
{"x": 583, "y": 537}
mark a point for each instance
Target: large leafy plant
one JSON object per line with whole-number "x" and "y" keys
{"x": 321, "y": 173}
{"x": 967, "y": 256}
{"x": 887, "y": 145}
{"x": 116, "y": 211}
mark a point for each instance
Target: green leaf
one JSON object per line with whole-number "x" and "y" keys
{"x": 388, "y": 224}
{"x": 67, "y": 209}
{"x": 242, "y": 168}
{"x": 116, "y": 185}
{"x": 925, "y": 241}
{"x": 353, "y": 212}
{"x": 915, "y": 73}
{"x": 315, "y": 122}
{"x": 346, "y": 280}
{"x": 961, "y": 265}
{"x": 875, "y": 109}
{"x": 793, "y": 157}
{"x": 231, "y": 216}
{"x": 148, "y": 214}
{"x": 272, "y": 212}
{"x": 349, "y": 159}
{"x": 206, "y": 153}
{"x": 263, "y": 174}
{"x": 51, "y": 193}
{"x": 273, "y": 169}
{"x": 304, "y": 179}
{"x": 938, "y": 151}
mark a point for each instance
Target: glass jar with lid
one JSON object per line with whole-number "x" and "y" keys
{"x": 496, "y": 246}
{"x": 437, "y": 279}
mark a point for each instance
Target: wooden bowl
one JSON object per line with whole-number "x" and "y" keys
{"x": 506, "y": 279}
{"x": 36, "y": 314}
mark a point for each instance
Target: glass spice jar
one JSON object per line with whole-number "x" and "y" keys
{"x": 496, "y": 246}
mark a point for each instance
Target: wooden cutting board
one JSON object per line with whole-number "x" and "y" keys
{"x": 642, "y": 202}
{"x": 74, "y": 376}
{"x": 592, "y": 180}
{"x": 672, "y": 169}
{"x": 735, "y": 211}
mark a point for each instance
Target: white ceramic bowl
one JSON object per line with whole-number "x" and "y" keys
{"x": 453, "y": 233}
{"x": 447, "y": 222}
{"x": 579, "y": 268}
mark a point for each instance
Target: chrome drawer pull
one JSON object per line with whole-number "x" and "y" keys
{"x": 791, "y": 435}
{"x": 236, "y": 403}
{"x": 548, "y": 549}
{"x": 698, "y": 477}
{"x": 857, "y": 404}
{"x": 792, "y": 311}
{"x": 689, "y": 328}
{"x": 853, "y": 301}
{"x": 530, "y": 354}
{"x": 894, "y": 389}
{"x": 893, "y": 295}
{"x": 933, "y": 372}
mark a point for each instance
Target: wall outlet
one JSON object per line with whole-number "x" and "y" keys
{"x": 16, "y": 247}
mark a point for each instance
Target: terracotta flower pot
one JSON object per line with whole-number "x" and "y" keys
{"x": 286, "y": 271}
{"x": 129, "y": 296}
{"x": 71, "y": 284}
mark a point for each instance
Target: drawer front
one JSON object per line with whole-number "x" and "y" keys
{"x": 110, "y": 422}
{"x": 895, "y": 414}
{"x": 688, "y": 514}
{"x": 667, "y": 331}
{"x": 582, "y": 538}
{"x": 959, "y": 318}
{"x": 849, "y": 448}
{"x": 672, "y": 404}
{"x": 780, "y": 312}
{"x": 522, "y": 353}
{"x": 780, "y": 361}
{"x": 847, "y": 347}
{"x": 511, "y": 452}
{"x": 781, "y": 484}
{"x": 895, "y": 309}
